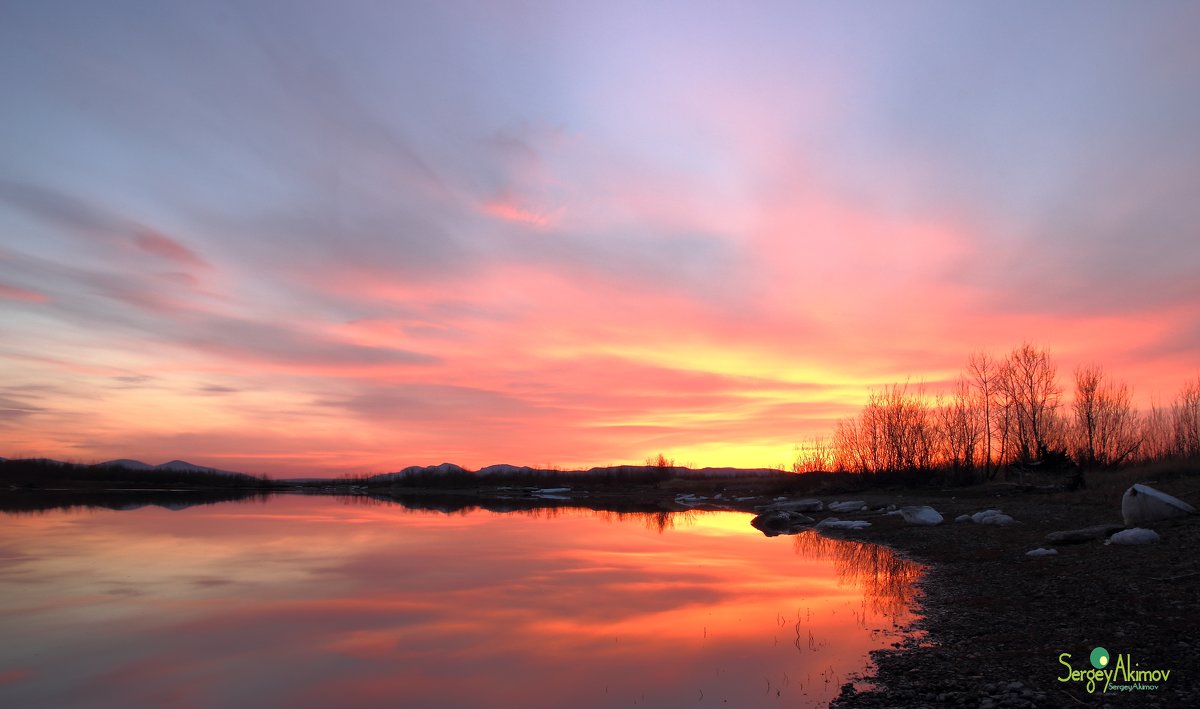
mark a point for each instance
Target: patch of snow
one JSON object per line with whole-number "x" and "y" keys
{"x": 835, "y": 523}
{"x": 1042, "y": 552}
{"x": 1142, "y": 503}
{"x": 1137, "y": 535}
{"x": 963, "y": 518}
{"x": 923, "y": 515}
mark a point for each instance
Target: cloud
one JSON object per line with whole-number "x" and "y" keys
{"x": 15, "y": 293}
{"x": 158, "y": 244}
{"x": 507, "y": 209}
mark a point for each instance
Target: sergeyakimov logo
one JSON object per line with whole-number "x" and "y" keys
{"x": 1123, "y": 670}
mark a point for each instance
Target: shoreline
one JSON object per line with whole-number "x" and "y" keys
{"x": 995, "y": 622}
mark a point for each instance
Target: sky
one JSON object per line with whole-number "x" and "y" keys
{"x": 315, "y": 237}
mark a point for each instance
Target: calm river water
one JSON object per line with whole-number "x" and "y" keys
{"x": 298, "y": 601}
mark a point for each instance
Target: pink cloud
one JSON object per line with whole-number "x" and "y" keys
{"x": 14, "y": 293}
{"x": 509, "y": 209}
{"x": 163, "y": 246}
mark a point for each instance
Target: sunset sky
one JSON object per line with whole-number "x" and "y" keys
{"x": 326, "y": 237}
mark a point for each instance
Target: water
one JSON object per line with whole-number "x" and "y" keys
{"x": 303, "y": 601}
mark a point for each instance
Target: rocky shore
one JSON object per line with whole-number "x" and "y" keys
{"x": 996, "y": 621}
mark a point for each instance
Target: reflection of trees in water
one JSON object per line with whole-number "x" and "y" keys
{"x": 887, "y": 580}
{"x": 659, "y": 521}
{"x": 653, "y": 519}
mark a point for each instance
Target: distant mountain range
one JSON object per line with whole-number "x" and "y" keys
{"x": 450, "y": 469}
{"x": 504, "y": 470}
{"x": 175, "y": 466}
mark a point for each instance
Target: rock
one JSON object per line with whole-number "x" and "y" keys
{"x": 809, "y": 505}
{"x": 963, "y": 518}
{"x": 835, "y": 523}
{"x": 923, "y": 515}
{"x": 992, "y": 517}
{"x": 1042, "y": 552}
{"x": 1135, "y": 536}
{"x": 1086, "y": 534}
{"x": 848, "y": 506}
{"x": 780, "y": 522}
{"x": 1142, "y": 504}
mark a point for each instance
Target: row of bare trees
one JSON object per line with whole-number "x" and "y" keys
{"x": 1004, "y": 411}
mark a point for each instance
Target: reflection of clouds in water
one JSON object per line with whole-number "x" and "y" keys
{"x": 887, "y": 580}
{"x": 313, "y": 603}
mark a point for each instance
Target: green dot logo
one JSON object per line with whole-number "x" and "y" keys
{"x": 1099, "y": 658}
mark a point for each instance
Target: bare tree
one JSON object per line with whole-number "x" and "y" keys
{"x": 1185, "y": 417}
{"x": 894, "y": 432}
{"x": 960, "y": 425}
{"x": 851, "y": 449}
{"x": 1157, "y": 434}
{"x": 1031, "y": 385}
{"x": 1107, "y": 430}
{"x": 985, "y": 376}
{"x": 816, "y": 456}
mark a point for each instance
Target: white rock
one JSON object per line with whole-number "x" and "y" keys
{"x": 1137, "y": 535}
{"x": 835, "y": 523}
{"x": 1142, "y": 504}
{"x": 1042, "y": 552}
{"x": 924, "y": 515}
{"x": 809, "y": 505}
{"x": 992, "y": 517}
{"x": 848, "y": 506}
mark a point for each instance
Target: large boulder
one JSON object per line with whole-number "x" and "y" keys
{"x": 1142, "y": 504}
